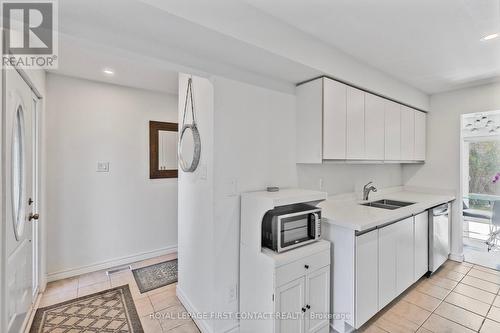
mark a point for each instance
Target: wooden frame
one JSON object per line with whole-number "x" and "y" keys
{"x": 154, "y": 128}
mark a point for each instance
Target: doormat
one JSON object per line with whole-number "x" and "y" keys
{"x": 111, "y": 310}
{"x": 156, "y": 276}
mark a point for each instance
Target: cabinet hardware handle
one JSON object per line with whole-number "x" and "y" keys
{"x": 303, "y": 309}
{"x": 306, "y": 266}
{"x": 33, "y": 217}
{"x": 308, "y": 306}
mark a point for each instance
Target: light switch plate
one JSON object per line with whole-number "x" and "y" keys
{"x": 102, "y": 166}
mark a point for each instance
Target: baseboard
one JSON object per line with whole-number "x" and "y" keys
{"x": 456, "y": 257}
{"x": 110, "y": 263}
{"x": 29, "y": 318}
{"x": 201, "y": 323}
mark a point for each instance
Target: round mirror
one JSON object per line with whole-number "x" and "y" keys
{"x": 18, "y": 173}
{"x": 189, "y": 148}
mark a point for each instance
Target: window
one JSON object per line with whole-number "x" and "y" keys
{"x": 18, "y": 168}
{"x": 484, "y": 163}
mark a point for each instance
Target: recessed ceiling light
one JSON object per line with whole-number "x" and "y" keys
{"x": 490, "y": 37}
{"x": 108, "y": 71}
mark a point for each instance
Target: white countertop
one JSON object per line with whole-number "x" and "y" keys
{"x": 346, "y": 211}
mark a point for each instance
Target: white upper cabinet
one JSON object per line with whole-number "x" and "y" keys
{"x": 374, "y": 127}
{"x": 355, "y": 124}
{"x": 420, "y": 135}
{"x": 392, "y": 131}
{"x": 310, "y": 122}
{"x": 334, "y": 120}
{"x": 407, "y": 134}
{"x": 338, "y": 122}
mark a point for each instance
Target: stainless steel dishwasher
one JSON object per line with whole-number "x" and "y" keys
{"x": 439, "y": 235}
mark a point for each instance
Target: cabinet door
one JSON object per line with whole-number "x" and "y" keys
{"x": 334, "y": 120}
{"x": 355, "y": 124}
{"x": 317, "y": 299}
{"x": 387, "y": 242}
{"x": 366, "y": 293}
{"x": 374, "y": 127}
{"x": 309, "y": 117}
{"x": 421, "y": 241}
{"x": 420, "y": 135}
{"x": 407, "y": 134}
{"x": 290, "y": 299}
{"x": 404, "y": 255}
{"x": 392, "y": 131}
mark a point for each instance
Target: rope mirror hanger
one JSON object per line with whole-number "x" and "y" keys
{"x": 190, "y": 166}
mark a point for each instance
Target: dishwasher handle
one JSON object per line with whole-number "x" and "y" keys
{"x": 440, "y": 210}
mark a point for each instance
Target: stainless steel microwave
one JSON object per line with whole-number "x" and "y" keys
{"x": 287, "y": 227}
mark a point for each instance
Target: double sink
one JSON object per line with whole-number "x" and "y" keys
{"x": 387, "y": 204}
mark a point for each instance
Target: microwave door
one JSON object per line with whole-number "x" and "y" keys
{"x": 295, "y": 230}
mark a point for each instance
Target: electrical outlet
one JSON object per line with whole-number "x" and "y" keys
{"x": 233, "y": 293}
{"x": 231, "y": 187}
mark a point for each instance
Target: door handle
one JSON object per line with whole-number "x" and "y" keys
{"x": 33, "y": 217}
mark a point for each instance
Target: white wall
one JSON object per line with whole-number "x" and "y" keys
{"x": 248, "y": 139}
{"x": 442, "y": 167}
{"x": 93, "y": 217}
{"x": 196, "y": 248}
{"x": 254, "y": 148}
{"x": 348, "y": 178}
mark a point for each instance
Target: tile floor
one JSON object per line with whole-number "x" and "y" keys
{"x": 460, "y": 297}
{"x": 162, "y": 301}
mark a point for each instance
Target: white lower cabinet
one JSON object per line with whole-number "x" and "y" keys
{"x": 290, "y": 300}
{"x": 395, "y": 260}
{"x": 421, "y": 241}
{"x": 305, "y": 301}
{"x": 387, "y": 241}
{"x": 404, "y": 255}
{"x": 366, "y": 276}
{"x": 388, "y": 260}
{"x": 318, "y": 301}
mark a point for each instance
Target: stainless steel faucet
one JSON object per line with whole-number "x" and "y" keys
{"x": 367, "y": 189}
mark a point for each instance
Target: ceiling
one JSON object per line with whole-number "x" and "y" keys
{"x": 141, "y": 37}
{"x": 87, "y": 60}
{"x": 431, "y": 45}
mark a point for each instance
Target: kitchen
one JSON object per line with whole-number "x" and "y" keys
{"x": 324, "y": 191}
{"x": 382, "y": 242}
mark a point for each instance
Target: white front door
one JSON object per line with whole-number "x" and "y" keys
{"x": 19, "y": 199}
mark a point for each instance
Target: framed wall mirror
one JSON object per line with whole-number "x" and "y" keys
{"x": 163, "y": 138}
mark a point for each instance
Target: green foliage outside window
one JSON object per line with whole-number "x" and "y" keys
{"x": 484, "y": 163}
